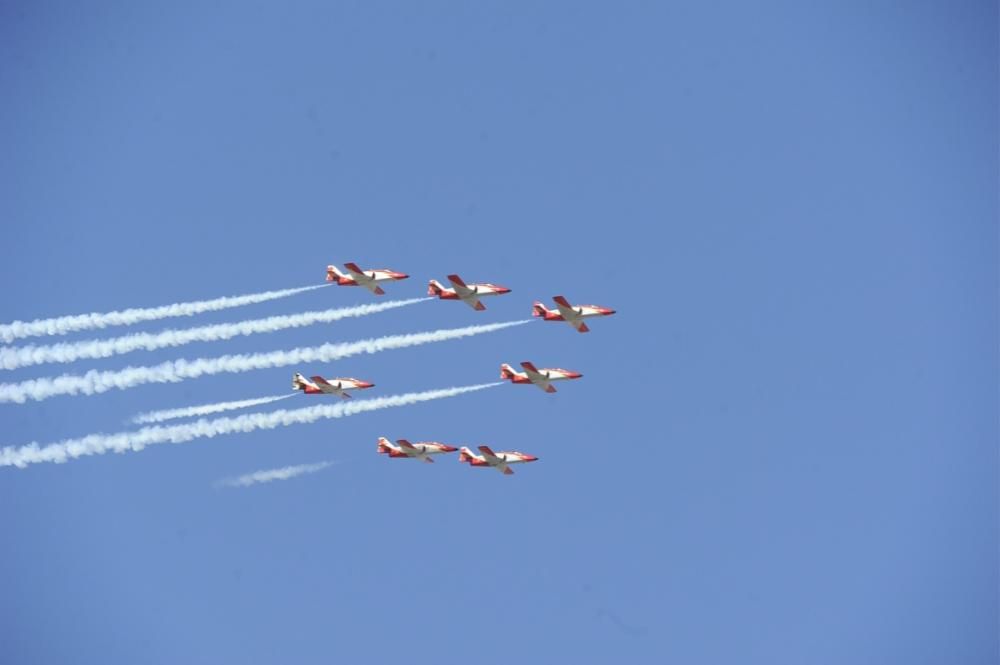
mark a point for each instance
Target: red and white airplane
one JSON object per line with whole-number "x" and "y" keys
{"x": 421, "y": 451}
{"x": 369, "y": 279}
{"x": 572, "y": 314}
{"x": 467, "y": 293}
{"x": 540, "y": 377}
{"x": 499, "y": 461}
{"x": 319, "y": 385}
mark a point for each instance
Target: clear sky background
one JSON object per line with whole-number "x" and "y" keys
{"x": 784, "y": 447}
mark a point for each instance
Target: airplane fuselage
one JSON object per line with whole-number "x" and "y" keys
{"x": 479, "y": 290}
{"x": 550, "y": 374}
{"x": 375, "y": 276}
{"x": 577, "y": 312}
{"x": 317, "y": 385}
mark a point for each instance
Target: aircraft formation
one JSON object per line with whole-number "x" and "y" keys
{"x": 93, "y": 382}
{"x": 471, "y": 294}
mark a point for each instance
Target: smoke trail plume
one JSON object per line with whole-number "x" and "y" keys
{"x": 173, "y": 371}
{"x": 98, "y": 444}
{"x": 204, "y": 409}
{"x": 269, "y": 475}
{"x": 62, "y": 325}
{"x": 67, "y": 352}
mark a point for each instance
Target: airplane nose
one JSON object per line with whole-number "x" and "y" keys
{"x": 577, "y": 375}
{"x": 401, "y": 275}
{"x": 530, "y": 458}
{"x": 610, "y": 311}
{"x": 504, "y": 289}
{"x": 448, "y": 449}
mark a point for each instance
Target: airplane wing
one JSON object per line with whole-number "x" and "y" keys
{"x": 490, "y": 456}
{"x": 566, "y": 309}
{"x": 461, "y": 288}
{"x": 537, "y": 377}
{"x": 497, "y": 463}
{"x": 579, "y": 325}
{"x": 533, "y": 372}
{"x": 328, "y": 387}
{"x": 356, "y": 271}
{"x": 323, "y": 384}
{"x": 413, "y": 451}
{"x": 474, "y": 303}
{"x": 560, "y": 300}
{"x": 362, "y": 279}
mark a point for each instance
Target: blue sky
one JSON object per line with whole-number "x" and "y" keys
{"x": 784, "y": 447}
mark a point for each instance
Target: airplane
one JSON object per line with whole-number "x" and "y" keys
{"x": 498, "y": 461}
{"x": 369, "y": 279}
{"x": 420, "y": 451}
{"x": 319, "y": 385}
{"x": 572, "y": 314}
{"x": 467, "y": 293}
{"x": 540, "y": 377}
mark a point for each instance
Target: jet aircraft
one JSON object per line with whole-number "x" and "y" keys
{"x": 369, "y": 279}
{"x": 421, "y": 451}
{"x": 572, "y": 314}
{"x": 500, "y": 461}
{"x": 467, "y": 293}
{"x": 318, "y": 385}
{"x": 542, "y": 378}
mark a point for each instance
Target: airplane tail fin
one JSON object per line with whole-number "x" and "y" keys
{"x": 464, "y": 454}
{"x": 538, "y": 309}
{"x": 383, "y": 446}
{"x": 298, "y": 381}
{"x": 434, "y": 288}
{"x": 506, "y": 372}
{"x": 332, "y": 274}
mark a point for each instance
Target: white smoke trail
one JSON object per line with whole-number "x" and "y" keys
{"x": 98, "y": 444}
{"x": 63, "y": 325}
{"x": 269, "y": 475}
{"x": 67, "y": 352}
{"x": 204, "y": 409}
{"x": 94, "y": 382}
